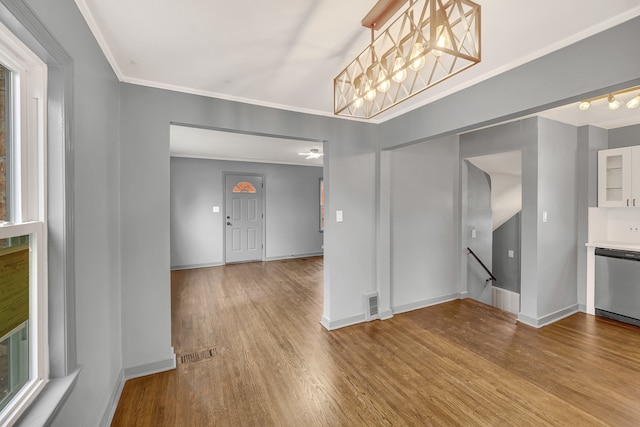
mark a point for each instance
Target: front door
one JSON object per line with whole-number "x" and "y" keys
{"x": 243, "y": 218}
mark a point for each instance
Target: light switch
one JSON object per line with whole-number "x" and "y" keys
{"x": 338, "y": 216}
{"x": 473, "y": 233}
{"x": 545, "y": 217}
{"x": 216, "y": 209}
{"x": 510, "y": 254}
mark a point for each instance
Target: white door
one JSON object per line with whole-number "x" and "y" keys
{"x": 243, "y": 218}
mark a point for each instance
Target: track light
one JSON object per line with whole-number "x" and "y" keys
{"x": 612, "y": 99}
{"x": 634, "y": 102}
{"x": 614, "y": 104}
{"x": 584, "y": 105}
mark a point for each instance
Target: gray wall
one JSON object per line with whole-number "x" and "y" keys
{"x": 424, "y": 222}
{"x": 624, "y": 136}
{"x": 590, "y": 140}
{"x": 478, "y": 217}
{"x": 549, "y": 173}
{"x": 146, "y": 115}
{"x": 507, "y": 270}
{"x": 291, "y": 216}
{"x": 557, "y": 238}
{"x": 522, "y": 135}
{"x": 122, "y": 188}
{"x": 96, "y": 187}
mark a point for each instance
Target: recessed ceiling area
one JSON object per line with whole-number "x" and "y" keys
{"x": 598, "y": 114}
{"x": 286, "y": 53}
{"x": 195, "y": 142}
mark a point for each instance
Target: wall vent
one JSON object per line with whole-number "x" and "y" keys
{"x": 371, "y": 305}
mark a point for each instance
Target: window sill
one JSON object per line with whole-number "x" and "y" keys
{"x": 44, "y": 409}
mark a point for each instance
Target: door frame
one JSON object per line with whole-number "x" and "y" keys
{"x": 224, "y": 211}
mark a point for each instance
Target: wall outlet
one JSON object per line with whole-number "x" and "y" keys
{"x": 338, "y": 216}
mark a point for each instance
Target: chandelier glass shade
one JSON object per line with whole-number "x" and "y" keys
{"x": 428, "y": 43}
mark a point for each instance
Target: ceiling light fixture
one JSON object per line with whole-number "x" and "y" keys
{"x": 612, "y": 101}
{"x": 429, "y": 42}
{"x": 614, "y": 104}
{"x": 584, "y": 105}
{"x": 312, "y": 154}
{"x": 634, "y": 102}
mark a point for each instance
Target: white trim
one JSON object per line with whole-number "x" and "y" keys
{"x": 342, "y": 323}
{"x": 425, "y": 303}
{"x": 151, "y": 368}
{"x": 86, "y": 13}
{"x": 595, "y": 29}
{"x": 110, "y": 411}
{"x": 505, "y": 299}
{"x": 294, "y": 256}
{"x": 194, "y": 266}
{"x": 29, "y": 206}
{"x": 243, "y": 159}
{"x": 549, "y": 318}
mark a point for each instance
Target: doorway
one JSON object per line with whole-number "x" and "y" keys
{"x": 244, "y": 218}
{"x": 494, "y": 205}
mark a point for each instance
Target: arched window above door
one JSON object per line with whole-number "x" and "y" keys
{"x": 244, "y": 187}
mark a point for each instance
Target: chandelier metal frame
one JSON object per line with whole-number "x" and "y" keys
{"x": 428, "y": 43}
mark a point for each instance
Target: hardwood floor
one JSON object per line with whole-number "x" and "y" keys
{"x": 458, "y": 363}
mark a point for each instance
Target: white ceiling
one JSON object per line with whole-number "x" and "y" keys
{"x": 285, "y": 53}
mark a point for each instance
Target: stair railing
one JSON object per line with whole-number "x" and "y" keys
{"x": 491, "y": 276}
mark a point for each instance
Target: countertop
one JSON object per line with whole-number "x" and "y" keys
{"x": 625, "y": 246}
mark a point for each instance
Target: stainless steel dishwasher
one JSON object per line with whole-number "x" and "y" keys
{"x": 617, "y": 285}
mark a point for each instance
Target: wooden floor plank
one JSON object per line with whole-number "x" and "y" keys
{"x": 457, "y": 363}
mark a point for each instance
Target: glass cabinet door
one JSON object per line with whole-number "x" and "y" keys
{"x": 614, "y": 177}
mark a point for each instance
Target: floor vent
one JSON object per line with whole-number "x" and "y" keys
{"x": 197, "y": 356}
{"x": 371, "y": 305}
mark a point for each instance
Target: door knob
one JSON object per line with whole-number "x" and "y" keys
{"x": 228, "y": 223}
{"x": 228, "y": 217}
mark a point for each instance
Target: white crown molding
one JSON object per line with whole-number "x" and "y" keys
{"x": 102, "y": 42}
{"x": 601, "y": 26}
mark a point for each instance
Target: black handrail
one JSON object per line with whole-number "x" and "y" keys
{"x": 483, "y": 266}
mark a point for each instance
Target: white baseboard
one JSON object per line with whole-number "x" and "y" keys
{"x": 425, "y": 303}
{"x": 192, "y": 266}
{"x": 384, "y": 315}
{"x": 151, "y": 368}
{"x": 505, "y": 300}
{"x": 549, "y": 318}
{"x": 294, "y": 256}
{"x": 130, "y": 373}
{"x": 342, "y": 323}
{"x": 107, "y": 417}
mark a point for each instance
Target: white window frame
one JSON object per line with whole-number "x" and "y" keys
{"x": 28, "y": 213}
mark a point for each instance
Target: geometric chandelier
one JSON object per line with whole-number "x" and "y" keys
{"x": 428, "y": 43}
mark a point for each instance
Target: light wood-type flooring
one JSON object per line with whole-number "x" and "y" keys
{"x": 457, "y": 363}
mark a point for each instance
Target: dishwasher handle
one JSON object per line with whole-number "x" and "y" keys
{"x": 618, "y": 253}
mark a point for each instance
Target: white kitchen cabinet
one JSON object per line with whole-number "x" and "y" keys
{"x": 619, "y": 177}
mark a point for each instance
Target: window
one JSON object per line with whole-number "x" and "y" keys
{"x": 23, "y": 305}
{"x": 244, "y": 187}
